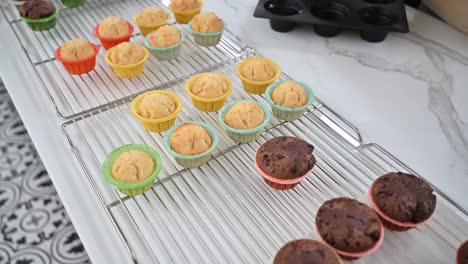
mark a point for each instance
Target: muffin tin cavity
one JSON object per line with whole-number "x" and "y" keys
{"x": 373, "y": 19}
{"x": 282, "y": 8}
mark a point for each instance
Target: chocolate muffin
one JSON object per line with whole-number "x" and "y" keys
{"x": 348, "y": 225}
{"x": 462, "y": 254}
{"x": 36, "y": 9}
{"x": 285, "y": 157}
{"x": 306, "y": 251}
{"x": 404, "y": 197}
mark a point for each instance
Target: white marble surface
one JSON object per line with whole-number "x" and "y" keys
{"x": 408, "y": 94}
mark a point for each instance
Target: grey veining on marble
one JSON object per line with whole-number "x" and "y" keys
{"x": 431, "y": 70}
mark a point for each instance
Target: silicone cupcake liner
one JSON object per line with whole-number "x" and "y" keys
{"x": 206, "y": 39}
{"x": 284, "y": 113}
{"x": 195, "y": 160}
{"x": 169, "y": 53}
{"x": 243, "y": 135}
{"x": 80, "y": 66}
{"x": 183, "y": 17}
{"x": 161, "y": 124}
{"x": 387, "y": 221}
{"x": 42, "y": 24}
{"x": 108, "y": 43}
{"x": 355, "y": 255}
{"x": 73, "y": 3}
{"x": 130, "y": 70}
{"x": 132, "y": 188}
{"x": 256, "y": 87}
{"x": 208, "y": 104}
{"x": 146, "y": 30}
{"x": 280, "y": 184}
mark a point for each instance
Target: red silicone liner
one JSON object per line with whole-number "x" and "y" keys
{"x": 79, "y": 66}
{"x": 406, "y": 225}
{"x": 355, "y": 255}
{"x": 108, "y": 43}
{"x": 287, "y": 183}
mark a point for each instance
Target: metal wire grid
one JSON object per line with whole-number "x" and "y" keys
{"x": 74, "y": 95}
{"x": 224, "y": 212}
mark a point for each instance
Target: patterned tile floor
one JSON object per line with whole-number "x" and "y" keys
{"x": 34, "y": 226}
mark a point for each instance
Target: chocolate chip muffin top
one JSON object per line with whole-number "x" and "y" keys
{"x": 306, "y": 251}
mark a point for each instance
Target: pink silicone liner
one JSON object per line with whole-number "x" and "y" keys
{"x": 276, "y": 180}
{"x": 356, "y": 254}
{"x": 384, "y": 216}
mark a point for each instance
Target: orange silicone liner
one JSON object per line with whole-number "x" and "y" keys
{"x": 79, "y": 66}
{"x": 279, "y": 184}
{"x": 388, "y": 222}
{"x": 108, "y": 43}
{"x": 354, "y": 255}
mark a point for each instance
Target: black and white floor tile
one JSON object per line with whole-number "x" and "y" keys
{"x": 34, "y": 226}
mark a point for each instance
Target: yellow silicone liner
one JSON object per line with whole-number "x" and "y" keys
{"x": 146, "y": 30}
{"x": 130, "y": 70}
{"x": 183, "y": 17}
{"x": 208, "y": 104}
{"x": 161, "y": 124}
{"x": 256, "y": 87}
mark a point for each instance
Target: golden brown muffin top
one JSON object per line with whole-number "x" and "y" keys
{"x": 113, "y": 27}
{"x": 258, "y": 69}
{"x": 132, "y": 166}
{"x": 290, "y": 94}
{"x": 76, "y": 49}
{"x": 206, "y": 23}
{"x": 190, "y": 139}
{"x": 156, "y": 106}
{"x": 151, "y": 16}
{"x": 126, "y": 53}
{"x": 164, "y": 37}
{"x": 210, "y": 85}
{"x": 185, "y": 5}
{"x": 244, "y": 115}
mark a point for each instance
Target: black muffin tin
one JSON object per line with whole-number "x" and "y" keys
{"x": 374, "y": 19}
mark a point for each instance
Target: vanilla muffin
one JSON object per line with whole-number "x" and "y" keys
{"x": 206, "y": 23}
{"x": 185, "y": 5}
{"x": 76, "y": 49}
{"x": 126, "y": 53}
{"x": 290, "y": 94}
{"x": 132, "y": 166}
{"x": 113, "y": 27}
{"x": 244, "y": 115}
{"x": 151, "y": 16}
{"x": 164, "y": 37}
{"x": 258, "y": 69}
{"x": 156, "y": 106}
{"x": 190, "y": 140}
{"x": 210, "y": 85}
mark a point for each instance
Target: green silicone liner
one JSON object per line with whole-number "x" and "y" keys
{"x": 41, "y": 20}
{"x": 211, "y": 34}
{"x": 273, "y": 86}
{"x": 168, "y": 53}
{"x": 208, "y": 127}
{"x": 73, "y": 3}
{"x": 107, "y": 166}
{"x": 228, "y": 106}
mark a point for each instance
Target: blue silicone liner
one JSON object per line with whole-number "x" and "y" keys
{"x": 207, "y": 39}
{"x": 285, "y": 113}
{"x": 195, "y": 160}
{"x": 168, "y": 53}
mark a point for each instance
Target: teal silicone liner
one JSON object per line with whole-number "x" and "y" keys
{"x": 284, "y": 113}
{"x": 206, "y": 39}
{"x": 169, "y": 53}
{"x": 195, "y": 160}
{"x": 244, "y": 135}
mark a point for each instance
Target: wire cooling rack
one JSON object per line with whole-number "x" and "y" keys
{"x": 223, "y": 212}
{"x": 71, "y": 95}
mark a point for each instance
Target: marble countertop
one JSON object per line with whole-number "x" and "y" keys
{"x": 408, "y": 94}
